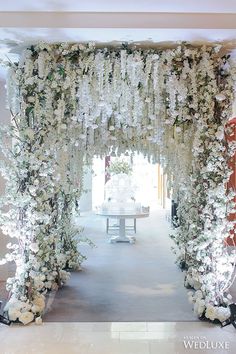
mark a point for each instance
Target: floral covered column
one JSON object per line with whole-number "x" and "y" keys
{"x": 231, "y": 138}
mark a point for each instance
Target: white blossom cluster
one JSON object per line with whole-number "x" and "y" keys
{"x": 204, "y": 203}
{"x": 119, "y": 166}
{"x": 70, "y": 102}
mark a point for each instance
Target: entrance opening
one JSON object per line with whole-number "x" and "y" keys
{"x": 122, "y": 281}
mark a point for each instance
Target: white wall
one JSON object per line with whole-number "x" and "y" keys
{"x": 86, "y": 198}
{"x": 98, "y": 187}
{"x": 4, "y": 118}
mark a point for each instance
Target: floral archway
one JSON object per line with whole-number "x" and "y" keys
{"x": 70, "y": 102}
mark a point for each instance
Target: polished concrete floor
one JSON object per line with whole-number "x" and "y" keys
{"x": 118, "y": 338}
{"x": 108, "y": 275}
{"x": 124, "y": 282}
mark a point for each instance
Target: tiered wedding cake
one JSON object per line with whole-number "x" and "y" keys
{"x": 120, "y": 195}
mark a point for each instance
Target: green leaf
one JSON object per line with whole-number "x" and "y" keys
{"x": 28, "y": 110}
{"x": 50, "y": 76}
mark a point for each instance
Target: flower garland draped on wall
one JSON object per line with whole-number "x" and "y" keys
{"x": 73, "y": 101}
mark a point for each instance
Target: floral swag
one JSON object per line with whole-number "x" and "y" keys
{"x": 70, "y": 102}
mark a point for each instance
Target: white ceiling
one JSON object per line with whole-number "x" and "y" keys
{"x": 24, "y": 22}
{"x": 121, "y": 20}
{"x": 225, "y": 6}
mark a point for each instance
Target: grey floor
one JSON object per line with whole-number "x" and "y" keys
{"x": 124, "y": 282}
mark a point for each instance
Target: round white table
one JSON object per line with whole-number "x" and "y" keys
{"x": 122, "y": 216}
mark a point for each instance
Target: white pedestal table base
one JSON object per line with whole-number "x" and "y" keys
{"x": 122, "y": 236}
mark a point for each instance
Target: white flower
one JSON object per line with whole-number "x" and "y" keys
{"x": 199, "y": 307}
{"x": 31, "y": 99}
{"x": 41, "y": 64}
{"x": 211, "y": 312}
{"x": 34, "y": 247}
{"x": 54, "y": 84}
{"x": 201, "y": 269}
{"x": 220, "y": 97}
{"x": 16, "y": 304}
{"x": 196, "y": 284}
{"x": 220, "y": 133}
{"x": 48, "y": 284}
{"x": 26, "y": 317}
{"x": 82, "y": 136}
{"x": 29, "y": 133}
{"x": 222, "y": 313}
{"x": 38, "y": 320}
{"x": 101, "y": 103}
{"x": 198, "y": 294}
{"x": 40, "y": 303}
{"x": 178, "y": 129}
{"x": 35, "y": 309}
{"x": 13, "y": 313}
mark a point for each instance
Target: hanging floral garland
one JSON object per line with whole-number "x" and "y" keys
{"x": 73, "y": 101}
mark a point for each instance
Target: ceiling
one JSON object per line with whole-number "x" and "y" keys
{"x": 149, "y": 22}
{"x": 124, "y": 20}
{"x": 226, "y": 6}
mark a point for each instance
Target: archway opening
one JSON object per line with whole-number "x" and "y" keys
{"x": 122, "y": 281}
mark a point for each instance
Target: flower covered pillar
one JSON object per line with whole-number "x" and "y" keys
{"x": 231, "y": 138}
{"x": 40, "y": 191}
{"x": 210, "y": 267}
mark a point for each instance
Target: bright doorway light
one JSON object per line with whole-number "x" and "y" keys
{"x": 144, "y": 175}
